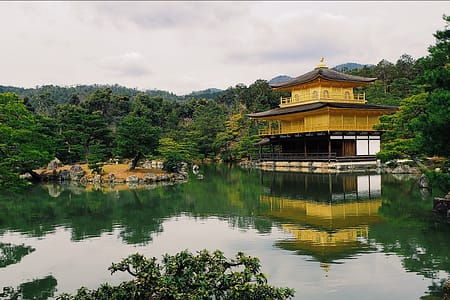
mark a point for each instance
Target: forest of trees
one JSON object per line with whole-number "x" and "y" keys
{"x": 95, "y": 123}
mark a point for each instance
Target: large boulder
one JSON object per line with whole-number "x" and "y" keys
{"x": 54, "y": 164}
{"x": 76, "y": 172}
{"x": 405, "y": 169}
{"x": 132, "y": 179}
{"x": 97, "y": 178}
{"x": 147, "y": 165}
{"x": 149, "y": 177}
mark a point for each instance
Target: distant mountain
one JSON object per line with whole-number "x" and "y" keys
{"x": 207, "y": 91}
{"x": 210, "y": 93}
{"x": 279, "y": 79}
{"x": 351, "y": 67}
{"x": 62, "y": 94}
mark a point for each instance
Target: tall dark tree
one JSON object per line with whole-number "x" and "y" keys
{"x": 23, "y": 144}
{"x": 82, "y": 134}
{"x": 136, "y": 138}
{"x": 208, "y": 121}
{"x": 423, "y": 121}
{"x": 435, "y": 122}
{"x": 112, "y": 106}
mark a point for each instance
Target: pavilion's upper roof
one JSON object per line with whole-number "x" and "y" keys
{"x": 325, "y": 73}
{"x": 318, "y": 105}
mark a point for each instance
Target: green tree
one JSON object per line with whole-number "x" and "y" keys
{"x": 174, "y": 154}
{"x": 23, "y": 145}
{"x": 422, "y": 124}
{"x": 82, "y": 135}
{"x": 188, "y": 276}
{"x": 135, "y": 138}
{"x": 44, "y": 104}
{"x": 112, "y": 106}
{"x": 385, "y": 72}
{"x": 435, "y": 121}
{"x": 208, "y": 121}
{"x": 402, "y": 128}
{"x": 150, "y": 108}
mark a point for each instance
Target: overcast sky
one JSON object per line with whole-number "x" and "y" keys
{"x": 189, "y": 46}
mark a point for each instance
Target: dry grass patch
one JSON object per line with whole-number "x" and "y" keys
{"x": 120, "y": 171}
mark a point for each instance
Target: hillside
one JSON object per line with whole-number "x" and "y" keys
{"x": 279, "y": 79}
{"x": 351, "y": 67}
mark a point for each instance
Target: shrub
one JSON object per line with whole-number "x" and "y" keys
{"x": 188, "y": 276}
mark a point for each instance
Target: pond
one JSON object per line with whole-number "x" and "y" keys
{"x": 352, "y": 236}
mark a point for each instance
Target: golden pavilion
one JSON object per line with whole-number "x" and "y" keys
{"x": 324, "y": 119}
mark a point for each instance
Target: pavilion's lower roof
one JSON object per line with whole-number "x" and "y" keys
{"x": 318, "y": 105}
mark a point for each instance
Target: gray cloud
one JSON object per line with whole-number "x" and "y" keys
{"x": 185, "y": 46}
{"x": 159, "y": 15}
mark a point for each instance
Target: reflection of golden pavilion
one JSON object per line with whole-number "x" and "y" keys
{"x": 326, "y": 230}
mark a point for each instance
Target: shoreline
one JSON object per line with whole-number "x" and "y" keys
{"x": 111, "y": 174}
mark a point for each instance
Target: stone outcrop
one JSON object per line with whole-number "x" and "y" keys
{"x": 54, "y": 164}
{"x": 132, "y": 178}
{"x": 149, "y": 177}
{"x": 76, "y": 172}
{"x": 97, "y": 178}
{"x": 152, "y": 164}
{"x": 400, "y": 166}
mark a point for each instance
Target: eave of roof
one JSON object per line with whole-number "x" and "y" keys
{"x": 324, "y": 73}
{"x": 318, "y": 105}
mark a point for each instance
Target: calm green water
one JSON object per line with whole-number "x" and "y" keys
{"x": 327, "y": 236}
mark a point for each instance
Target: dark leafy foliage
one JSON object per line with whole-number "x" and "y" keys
{"x": 422, "y": 124}
{"x": 188, "y": 276}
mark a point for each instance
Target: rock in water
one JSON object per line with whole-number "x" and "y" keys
{"x": 423, "y": 182}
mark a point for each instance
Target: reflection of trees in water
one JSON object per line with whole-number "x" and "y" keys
{"x": 12, "y": 254}
{"x": 412, "y": 231}
{"x": 38, "y": 289}
{"x": 227, "y": 193}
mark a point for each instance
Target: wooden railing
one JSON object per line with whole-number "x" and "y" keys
{"x": 357, "y": 97}
{"x": 292, "y": 129}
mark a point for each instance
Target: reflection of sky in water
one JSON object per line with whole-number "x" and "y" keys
{"x": 367, "y": 276}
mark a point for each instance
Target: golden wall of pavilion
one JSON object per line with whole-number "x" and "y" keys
{"x": 327, "y": 119}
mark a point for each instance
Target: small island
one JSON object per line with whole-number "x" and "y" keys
{"x": 114, "y": 174}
